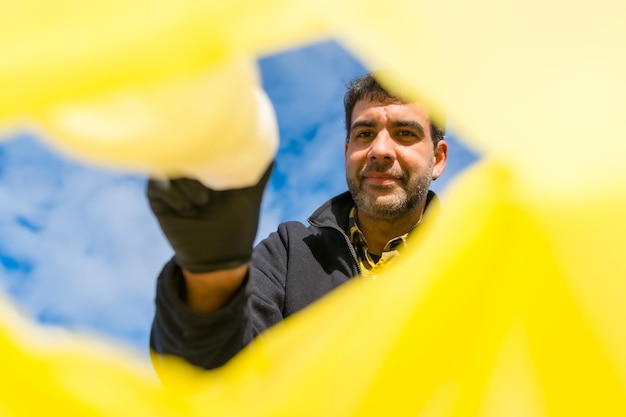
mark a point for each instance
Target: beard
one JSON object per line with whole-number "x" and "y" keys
{"x": 398, "y": 201}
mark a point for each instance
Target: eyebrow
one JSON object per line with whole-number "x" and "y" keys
{"x": 362, "y": 123}
{"x": 403, "y": 123}
{"x": 411, "y": 124}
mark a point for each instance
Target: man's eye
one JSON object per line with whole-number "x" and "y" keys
{"x": 364, "y": 134}
{"x": 406, "y": 133}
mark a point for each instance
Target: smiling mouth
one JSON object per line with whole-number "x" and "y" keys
{"x": 380, "y": 180}
{"x": 380, "y": 176}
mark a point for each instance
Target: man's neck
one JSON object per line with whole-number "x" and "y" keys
{"x": 379, "y": 232}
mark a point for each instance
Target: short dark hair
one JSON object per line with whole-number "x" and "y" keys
{"x": 366, "y": 87}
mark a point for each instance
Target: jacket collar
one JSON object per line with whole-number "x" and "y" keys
{"x": 336, "y": 211}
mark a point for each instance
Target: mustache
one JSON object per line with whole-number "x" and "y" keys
{"x": 382, "y": 168}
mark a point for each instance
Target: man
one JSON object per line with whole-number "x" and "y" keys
{"x": 217, "y": 294}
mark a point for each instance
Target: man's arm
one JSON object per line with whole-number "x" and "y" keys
{"x": 208, "y": 292}
{"x": 206, "y": 340}
{"x": 204, "y": 288}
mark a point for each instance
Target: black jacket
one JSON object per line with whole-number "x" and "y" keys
{"x": 290, "y": 269}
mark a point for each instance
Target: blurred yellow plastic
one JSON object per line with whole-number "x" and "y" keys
{"x": 54, "y": 372}
{"x": 76, "y": 49}
{"x": 152, "y": 87}
{"x": 186, "y": 127}
{"x": 538, "y": 82}
{"x": 490, "y": 316}
{"x": 487, "y": 318}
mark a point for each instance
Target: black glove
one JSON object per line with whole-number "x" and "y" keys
{"x": 208, "y": 229}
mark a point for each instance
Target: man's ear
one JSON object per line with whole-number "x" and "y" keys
{"x": 440, "y": 158}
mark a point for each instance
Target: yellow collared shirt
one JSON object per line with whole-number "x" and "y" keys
{"x": 367, "y": 262}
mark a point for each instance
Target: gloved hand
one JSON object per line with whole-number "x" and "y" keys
{"x": 209, "y": 230}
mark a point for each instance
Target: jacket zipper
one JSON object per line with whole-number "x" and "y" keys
{"x": 352, "y": 251}
{"x": 347, "y": 240}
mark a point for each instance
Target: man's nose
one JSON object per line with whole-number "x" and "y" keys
{"x": 382, "y": 147}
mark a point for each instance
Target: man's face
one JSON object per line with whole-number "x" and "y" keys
{"x": 390, "y": 160}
